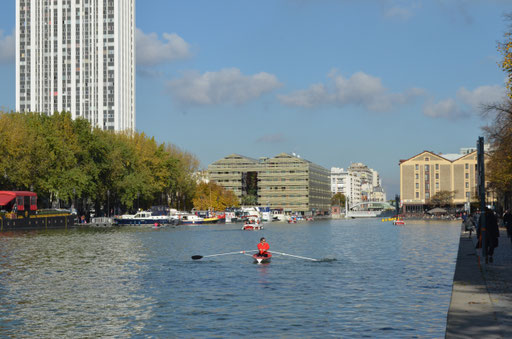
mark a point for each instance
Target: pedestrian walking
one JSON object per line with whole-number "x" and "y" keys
{"x": 469, "y": 224}
{"x": 492, "y": 233}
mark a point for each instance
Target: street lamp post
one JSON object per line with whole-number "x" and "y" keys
{"x": 108, "y": 203}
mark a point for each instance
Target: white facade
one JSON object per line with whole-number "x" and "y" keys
{"x": 77, "y": 56}
{"x": 359, "y": 183}
{"x": 347, "y": 183}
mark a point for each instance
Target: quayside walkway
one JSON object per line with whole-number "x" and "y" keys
{"x": 481, "y": 303}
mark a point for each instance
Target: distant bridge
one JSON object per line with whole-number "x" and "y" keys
{"x": 369, "y": 209}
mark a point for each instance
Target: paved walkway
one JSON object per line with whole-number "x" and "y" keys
{"x": 481, "y": 304}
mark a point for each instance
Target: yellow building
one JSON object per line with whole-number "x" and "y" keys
{"x": 284, "y": 182}
{"x": 427, "y": 173}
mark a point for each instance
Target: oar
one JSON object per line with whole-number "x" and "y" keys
{"x": 197, "y": 257}
{"x": 295, "y": 256}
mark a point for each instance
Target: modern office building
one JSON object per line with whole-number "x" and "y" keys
{"x": 427, "y": 173}
{"x": 285, "y": 181}
{"x": 77, "y": 56}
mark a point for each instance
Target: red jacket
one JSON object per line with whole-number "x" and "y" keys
{"x": 263, "y": 247}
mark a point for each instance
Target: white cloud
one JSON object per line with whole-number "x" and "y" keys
{"x": 401, "y": 10}
{"x": 480, "y": 96}
{"x": 466, "y": 102}
{"x": 7, "y": 48}
{"x": 360, "y": 89}
{"x": 398, "y": 12}
{"x": 152, "y": 51}
{"x": 225, "y": 86}
{"x": 444, "y": 109}
{"x": 315, "y": 95}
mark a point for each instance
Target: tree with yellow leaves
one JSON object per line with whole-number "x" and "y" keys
{"x": 211, "y": 196}
{"x": 506, "y": 63}
{"x": 499, "y": 131}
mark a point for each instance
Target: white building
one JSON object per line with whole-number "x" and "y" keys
{"x": 359, "y": 183}
{"x": 347, "y": 183}
{"x": 77, "y": 56}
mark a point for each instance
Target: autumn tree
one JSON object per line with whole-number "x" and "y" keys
{"x": 211, "y": 196}
{"x": 505, "y": 48}
{"x": 499, "y": 130}
{"x": 442, "y": 198}
{"x": 66, "y": 160}
{"x": 338, "y": 199}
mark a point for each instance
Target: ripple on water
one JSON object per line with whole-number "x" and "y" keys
{"x": 372, "y": 280}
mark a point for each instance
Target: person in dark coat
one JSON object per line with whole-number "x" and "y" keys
{"x": 507, "y": 222}
{"x": 493, "y": 233}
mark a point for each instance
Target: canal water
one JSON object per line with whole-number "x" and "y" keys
{"x": 374, "y": 280}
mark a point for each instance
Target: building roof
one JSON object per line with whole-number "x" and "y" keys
{"x": 234, "y": 156}
{"x": 451, "y": 157}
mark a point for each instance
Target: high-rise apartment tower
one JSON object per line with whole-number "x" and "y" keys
{"x": 77, "y": 56}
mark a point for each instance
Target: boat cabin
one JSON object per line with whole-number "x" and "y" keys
{"x": 142, "y": 215}
{"x": 22, "y": 202}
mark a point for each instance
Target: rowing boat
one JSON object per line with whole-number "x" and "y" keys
{"x": 251, "y": 227}
{"x": 262, "y": 260}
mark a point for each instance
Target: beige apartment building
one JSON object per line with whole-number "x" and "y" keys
{"x": 285, "y": 181}
{"x": 427, "y": 173}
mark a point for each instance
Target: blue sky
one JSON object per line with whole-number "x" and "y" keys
{"x": 336, "y": 81}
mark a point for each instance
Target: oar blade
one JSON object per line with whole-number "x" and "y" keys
{"x": 197, "y": 257}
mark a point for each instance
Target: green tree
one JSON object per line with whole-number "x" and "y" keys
{"x": 64, "y": 159}
{"x": 338, "y": 199}
{"x": 249, "y": 200}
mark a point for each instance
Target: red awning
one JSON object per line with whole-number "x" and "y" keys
{"x": 6, "y": 197}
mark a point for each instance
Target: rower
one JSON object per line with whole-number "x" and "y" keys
{"x": 263, "y": 247}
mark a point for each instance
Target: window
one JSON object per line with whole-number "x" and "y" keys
{"x": 437, "y": 175}
{"x": 427, "y": 195}
{"x": 467, "y": 175}
{"x": 417, "y": 185}
{"x": 417, "y": 176}
{"x": 468, "y": 195}
{"x": 437, "y": 185}
{"x": 467, "y": 166}
{"x": 437, "y": 167}
{"x": 417, "y": 167}
{"x": 417, "y": 195}
{"x": 427, "y": 159}
{"x": 427, "y": 168}
{"x": 467, "y": 184}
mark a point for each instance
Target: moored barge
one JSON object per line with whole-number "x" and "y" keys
{"x": 18, "y": 211}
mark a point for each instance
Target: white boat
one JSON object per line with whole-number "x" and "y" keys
{"x": 278, "y": 216}
{"x": 144, "y": 218}
{"x": 265, "y": 213}
{"x": 253, "y": 223}
{"x": 248, "y": 212}
{"x": 190, "y": 219}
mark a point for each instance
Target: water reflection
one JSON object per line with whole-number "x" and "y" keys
{"x": 73, "y": 284}
{"x": 385, "y": 281}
